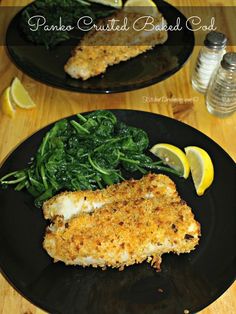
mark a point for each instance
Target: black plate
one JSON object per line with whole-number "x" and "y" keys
{"x": 144, "y": 70}
{"x": 189, "y": 281}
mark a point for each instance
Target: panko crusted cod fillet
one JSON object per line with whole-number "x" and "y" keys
{"x": 100, "y": 49}
{"x": 69, "y": 204}
{"x": 125, "y": 232}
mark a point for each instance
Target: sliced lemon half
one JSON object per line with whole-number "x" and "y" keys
{"x": 20, "y": 96}
{"x": 110, "y": 3}
{"x": 148, "y": 7}
{"x": 172, "y": 156}
{"x": 202, "y": 168}
{"x": 6, "y": 103}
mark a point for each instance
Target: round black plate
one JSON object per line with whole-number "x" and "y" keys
{"x": 144, "y": 70}
{"x": 189, "y": 281}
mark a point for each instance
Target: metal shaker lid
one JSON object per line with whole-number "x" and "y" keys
{"x": 215, "y": 40}
{"x": 229, "y": 61}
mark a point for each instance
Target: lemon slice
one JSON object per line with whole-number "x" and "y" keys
{"x": 201, "y": 166}
{"x": 6, "y": 103}
{"x": 149, "y": 7}
{"x": 173, "y": 157}
{"x": 110, "y": 3}
{"x": 20, "y": 95}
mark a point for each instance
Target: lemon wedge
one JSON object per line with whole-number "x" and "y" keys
{"x": 6, "y": 103}
{"x": 20, "y": 96}
{"x": 110, "y": 3}
{"x": 173, "y": 157}
{"x": 201, "y": 166}
{"x": 149, "y": 7}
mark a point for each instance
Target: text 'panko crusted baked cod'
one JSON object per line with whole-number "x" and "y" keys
{"x": 138, "y": 220}
{"x": 100, "y": 49}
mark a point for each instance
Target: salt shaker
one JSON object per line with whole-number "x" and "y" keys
{"x": 208, "y": 60}
{"x": 221, "y": 93}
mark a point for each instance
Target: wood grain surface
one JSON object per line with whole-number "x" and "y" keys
{"x": 173, "y": 97}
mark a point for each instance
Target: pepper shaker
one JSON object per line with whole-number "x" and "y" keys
{"x": 221, "y": 93}
{"x": 208, "y": 60}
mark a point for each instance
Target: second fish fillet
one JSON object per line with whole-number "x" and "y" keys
{"x": 70, "y": 204}
{"x": 98, "y": 50}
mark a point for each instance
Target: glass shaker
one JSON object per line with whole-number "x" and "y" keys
{"x": 221, "y": 93}
{"x": 208, "y": 60}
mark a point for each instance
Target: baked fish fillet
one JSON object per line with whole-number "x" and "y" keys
{"x": 70, "y": 204}
{"x": 100, "y": 49}
{"x": 125, "y": 232}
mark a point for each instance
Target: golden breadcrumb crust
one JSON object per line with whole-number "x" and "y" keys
{"x": 126, "y": 232}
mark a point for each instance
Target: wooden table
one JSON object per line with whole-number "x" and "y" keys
{"x": 174, "y": 98}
